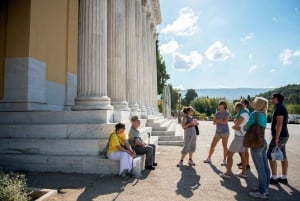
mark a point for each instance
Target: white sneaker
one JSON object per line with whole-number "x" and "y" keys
{"x": 257, "y": 194}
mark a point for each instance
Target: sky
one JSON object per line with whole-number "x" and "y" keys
{"x": 230, "y": 43}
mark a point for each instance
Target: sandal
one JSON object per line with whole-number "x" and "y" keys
{"x": 241, "y": 175}
{"x": 207, "y": 161}
{"x": 180, "y": 164}
{"x": 191, "y": 162}
{"x": 224, "y": 175}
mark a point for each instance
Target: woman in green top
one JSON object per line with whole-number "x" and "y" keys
{"x": 259, "y": 155}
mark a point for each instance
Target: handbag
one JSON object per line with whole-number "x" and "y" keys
{"x": 197, "y": 130}
{"x": 276, "y": 154}
{"x": 254, "y": 137}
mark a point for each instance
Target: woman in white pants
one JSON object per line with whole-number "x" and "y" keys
{"x": 119, "y": 149}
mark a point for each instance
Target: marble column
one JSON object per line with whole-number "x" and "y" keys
{"x": 148, "y": 67}
{"x": 154, "y": 68}
{"x": 131, "y": 58}
{"x": 145, "y": 55}
{"x": 116, "y": 51}
{"x": 142, "y": 80}
{"x": 92, "y": 57}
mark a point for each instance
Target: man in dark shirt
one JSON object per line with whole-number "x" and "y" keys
{"x": 280, "y": 137}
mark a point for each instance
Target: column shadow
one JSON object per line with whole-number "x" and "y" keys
{"x": 189, "y": 182}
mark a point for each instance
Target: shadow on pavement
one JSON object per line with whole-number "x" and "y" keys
{"x": 189, "y": 182}
{"x": 93, "y": 185}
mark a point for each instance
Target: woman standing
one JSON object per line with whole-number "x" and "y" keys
{"x": 259, "y": 155}
{"x": 237, "y": 144}
{"x": 222, "y": 132}
{"x": 119, "y": 149}
{"x": 188, "y": 124}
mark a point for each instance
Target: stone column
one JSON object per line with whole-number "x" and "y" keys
{"x": 142, "y": 80}
{"x": 145, "y": 56}
{"x": 154, "y": 68}
{"x": 131, "y": 57}
{"x": 92, "y": 57}
{"x": 117, "y": 54}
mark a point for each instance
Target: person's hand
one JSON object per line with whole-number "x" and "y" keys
{"x": 277, "y": 141}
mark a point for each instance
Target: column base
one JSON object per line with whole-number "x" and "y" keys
{"x": 92, "y": 103}
{"x": 144, "y": 114}
{"x": 120, "y": 105}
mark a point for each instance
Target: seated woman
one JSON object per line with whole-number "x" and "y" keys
{"x": 119, "y": 149}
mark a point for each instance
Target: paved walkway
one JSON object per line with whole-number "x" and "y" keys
{"x": 168, "y": 182}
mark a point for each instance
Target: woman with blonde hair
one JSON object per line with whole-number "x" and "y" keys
{"x": 188, "y": 124}
{"x": 259, "y": 155}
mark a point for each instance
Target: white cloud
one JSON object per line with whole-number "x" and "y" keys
{"x": 169, "y": 48}
{"x": 252, "y": 68}
{"x": 287, "y": 54}
{"x": 218, "y": 52}
{"x": 247, "y": 37}
{"x": 179, "y": 87}
{"x": 250, "y": 56}
{"x": 187, "y": 62}
{"x": 272, "y": 70}
{"x": 184, "y": 25}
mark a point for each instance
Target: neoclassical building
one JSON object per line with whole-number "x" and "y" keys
{"x": 60, "y": 55}
{"x": 68, "y": 70}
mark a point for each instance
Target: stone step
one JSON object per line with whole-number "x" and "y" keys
{"x": 62, "y": 146}
{"x": 84, "y": 147}
{"x": 67, "y": 164}
{"x": 57, "y": 117}
{"x": 64, "y": 131}
{"x": 170, "y": 138}
{"x": 171, "y": 143}
{"x": 163, "y": 133}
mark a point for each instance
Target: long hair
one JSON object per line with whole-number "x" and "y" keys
{"x": 261, "y": 105}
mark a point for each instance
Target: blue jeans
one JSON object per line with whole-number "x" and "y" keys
{"x": 259, "y": 157}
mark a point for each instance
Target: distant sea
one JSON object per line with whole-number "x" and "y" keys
{"x": 229, "y": 93}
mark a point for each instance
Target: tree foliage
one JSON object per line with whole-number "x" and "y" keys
{"x": 162, "y": 75}
{"x": 190, "y": 95}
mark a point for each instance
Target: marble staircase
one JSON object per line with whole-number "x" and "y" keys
{"x": 165, "y": 130}
{"x": 60, "y": 145}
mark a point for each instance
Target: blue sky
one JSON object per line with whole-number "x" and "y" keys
{"x": 230, "y": 43}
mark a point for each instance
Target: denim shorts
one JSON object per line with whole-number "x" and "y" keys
{"x": 282, "y": 143}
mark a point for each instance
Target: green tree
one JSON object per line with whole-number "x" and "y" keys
{"x": 162, "y": 75}
{"x": 190, "y": 95}
{"x": 174, "y": 97}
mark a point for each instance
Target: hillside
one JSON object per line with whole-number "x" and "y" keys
{"x": 228, "y": 93}
{"x": 291, "y": 93}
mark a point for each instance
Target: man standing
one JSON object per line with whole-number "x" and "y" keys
{"x": 280, "y": 136}
{"x": 139, "y": 146}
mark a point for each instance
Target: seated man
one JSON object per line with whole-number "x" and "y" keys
{"x": 139, "y": 146}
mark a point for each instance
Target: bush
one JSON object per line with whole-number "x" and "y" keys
{"x": 13, "y": 187}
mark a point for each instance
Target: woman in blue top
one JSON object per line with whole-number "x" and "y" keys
{"x": 222, "y": 132}
{"x": 259, "y": 155}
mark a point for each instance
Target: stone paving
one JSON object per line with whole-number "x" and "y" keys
{"x": 168, "y": 182}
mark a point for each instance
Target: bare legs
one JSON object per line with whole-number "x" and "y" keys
{"x": 214, "y": 143}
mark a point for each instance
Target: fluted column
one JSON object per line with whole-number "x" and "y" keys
{"x": 131, "y": 56}
{"x": 142, "y": 68}
{"x": 92, "y": 57}
{"x": 148, "y": 64}
{"x": 155, "y": 71}
{"x": 117, "y": 54}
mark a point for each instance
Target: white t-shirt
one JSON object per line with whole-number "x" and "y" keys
{"x": 242, "y": 132}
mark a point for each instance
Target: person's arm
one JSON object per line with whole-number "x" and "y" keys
{"x": 278, "y": 128}
{"x": 250, "y": 121}
{"x": 184, "y": 125}
{"x": 139, "y": 142}
{"x": 223, "y": 121}
{"x": 236, "y": 126}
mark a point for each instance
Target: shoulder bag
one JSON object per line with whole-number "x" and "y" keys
{"x": 254, "y": 137}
